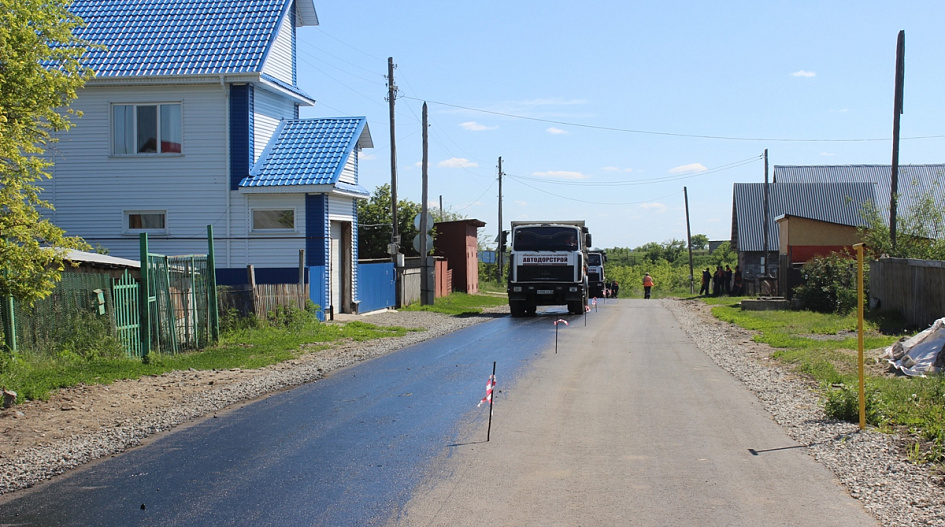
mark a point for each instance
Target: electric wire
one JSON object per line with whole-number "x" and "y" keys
{"x": 673, "y": 134}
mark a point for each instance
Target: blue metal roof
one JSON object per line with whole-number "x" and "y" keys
{"x": 306, "y": 152}
{"x": 175, "y": 37}
{"x": 840, "y": 203}
{"x": 914, "y": 181}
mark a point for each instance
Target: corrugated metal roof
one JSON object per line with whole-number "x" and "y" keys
{"x": 174, "y": 37}
{"x": 306, "y": 152}
{"x": 914, "y": 181}
{"x": 840, "y": 203}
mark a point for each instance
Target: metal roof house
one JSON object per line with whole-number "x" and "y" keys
{"x": 829, "y": 204}
{"x": 193, "y": 120}
{"x": 913, "y": 180}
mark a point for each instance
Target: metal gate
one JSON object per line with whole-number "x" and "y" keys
{"x": 125, "y": 293}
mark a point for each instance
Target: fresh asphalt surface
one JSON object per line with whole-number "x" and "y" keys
{"x": 626, "y": 424}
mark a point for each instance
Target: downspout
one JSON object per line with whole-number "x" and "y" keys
{"x": 226, "y": 171}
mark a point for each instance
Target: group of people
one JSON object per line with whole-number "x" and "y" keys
{"x": 723, "y": 281}
{"x": 611, "y": 289}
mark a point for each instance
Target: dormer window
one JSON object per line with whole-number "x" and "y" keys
{"x": 146, "y": 129}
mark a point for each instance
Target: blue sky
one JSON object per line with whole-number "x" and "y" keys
{"x": 604, "y": 111}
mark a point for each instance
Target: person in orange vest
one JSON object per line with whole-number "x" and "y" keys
{"x": 647, "y": 285}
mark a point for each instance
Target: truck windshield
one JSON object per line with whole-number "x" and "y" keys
{"x": 545, "y": 239}
{"x": 593, "y": 259}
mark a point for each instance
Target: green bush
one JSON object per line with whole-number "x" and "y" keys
{"x": 830, "y": 284}
{"x": 843, "y": 404}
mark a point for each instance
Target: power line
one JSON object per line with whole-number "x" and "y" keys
{"x": 671, "y": 134}
{"x": 675, "y": 177}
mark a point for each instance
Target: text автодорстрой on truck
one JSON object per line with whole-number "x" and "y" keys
{"x": 547, "y": 265}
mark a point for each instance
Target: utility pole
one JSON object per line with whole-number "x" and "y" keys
{"x": 441, "y": 207}
{"x": 427, "y": 293}
{"x": 689, "y": 242}
{"x": 499, "y": 253}
{"x": 897, "y": 111}
{"x": 395, "y": 234}
{"x": 764, "y": 258}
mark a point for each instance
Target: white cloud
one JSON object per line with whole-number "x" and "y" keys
{"x": 803, "y": 73}
{"x": 657, "y": 207}
{"x": 692, "y": 167}
{"x": 365, "y": 156}
{"x": 827, "y": 154}
{"x": 556, "y": 131}
{"x": 457, "y": 162}
{"x": 521, "y": 203}
{"x": 473, "y": 126}
{"x": 560, "y": 174}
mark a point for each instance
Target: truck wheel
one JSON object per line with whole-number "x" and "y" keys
{"x": 575, "y": 308}
{"x": 530, "y": 309}
{"x": 517, "y": 308}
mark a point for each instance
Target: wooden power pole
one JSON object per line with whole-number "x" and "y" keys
{"x": 689, "y": 242}
{"x": 427, "y": 292}
{"x": 897, "y": 111}
{"x": 395, "y": 231}
{"x": 499, "y": 253}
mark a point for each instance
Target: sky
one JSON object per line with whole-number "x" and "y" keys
{"x": 605, "y": 111}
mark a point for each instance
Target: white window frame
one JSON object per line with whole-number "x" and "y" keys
{"x": 132, "y": 135}
{"x": 126, "y": 221}
{"x": 282, "y": 230}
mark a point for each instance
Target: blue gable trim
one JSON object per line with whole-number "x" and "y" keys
{"x": 241, "y": 143}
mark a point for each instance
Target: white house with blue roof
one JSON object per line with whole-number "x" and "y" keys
{"x": 193, "y": 120}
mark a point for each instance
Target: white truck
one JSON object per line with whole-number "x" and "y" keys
{"x": 547, "y": 265}
{"x": 596, "y": 282}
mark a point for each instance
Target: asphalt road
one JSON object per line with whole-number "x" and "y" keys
{"x": 626, "y": 424}
{"x": 630, "y": 424}
{"x": 346, "y": 450}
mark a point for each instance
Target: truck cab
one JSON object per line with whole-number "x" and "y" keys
{"x": 548, "y": 266}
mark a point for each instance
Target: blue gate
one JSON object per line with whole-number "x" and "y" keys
{"x": 376, "y": 286}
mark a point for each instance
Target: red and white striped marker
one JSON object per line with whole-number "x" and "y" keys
{"x": 490, "y": 385}
{"x": 561, "y": 320}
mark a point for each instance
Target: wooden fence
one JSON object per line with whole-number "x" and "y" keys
{"x": 261, "y": 299}
{"x": 913, "y": 288}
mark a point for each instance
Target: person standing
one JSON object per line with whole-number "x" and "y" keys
{"x": 706, "y": 278}
{"x": 717, "y": 280}
{"x": 647, "y": 285}
{"x": 727, "y": 285}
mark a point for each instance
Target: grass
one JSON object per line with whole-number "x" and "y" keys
{"x": 35, "y": 378}
{"x": 461, "y": 304}
{"x": 823, "y": 347}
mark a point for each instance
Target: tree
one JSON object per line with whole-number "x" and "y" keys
{"x": 920, "y": 232}
{"x": 699, "y": 241}
{"x": 40, "y": 72}
{"x": 375, "y": 225}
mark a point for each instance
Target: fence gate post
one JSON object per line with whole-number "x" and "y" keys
{"x": 9, "y": 324}
{"x": 144, "y": 298}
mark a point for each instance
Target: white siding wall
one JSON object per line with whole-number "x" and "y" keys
{"x": 279, "y": 62}
{"x": 339, "y": 208}
{"x": 269, "y": 110}
{"x": 349, "y": 173}
{"x": 267, "y": 250}
{"x": 91, "y": 189}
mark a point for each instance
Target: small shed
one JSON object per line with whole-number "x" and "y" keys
{"x": 458, "y": 242}
{"x": 801, "y": 239}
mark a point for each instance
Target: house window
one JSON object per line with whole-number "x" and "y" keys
{"x": 146, "y": 129}
{"x": 145, "y": 221}
{"x": 273, "y": 219}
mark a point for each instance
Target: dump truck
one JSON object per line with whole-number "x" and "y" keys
{"x": 596, "y": 282}
{"x": 547, "y": 265}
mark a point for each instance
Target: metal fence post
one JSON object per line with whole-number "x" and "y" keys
{"x": 144, "y": 298}
{"x": 9, "y": 324}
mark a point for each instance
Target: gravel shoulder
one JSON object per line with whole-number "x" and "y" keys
{"x": 39, "y": 440}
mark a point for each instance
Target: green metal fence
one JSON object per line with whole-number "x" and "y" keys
{"x": 77, "y": 315}
{"x": 96, "y": 312}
